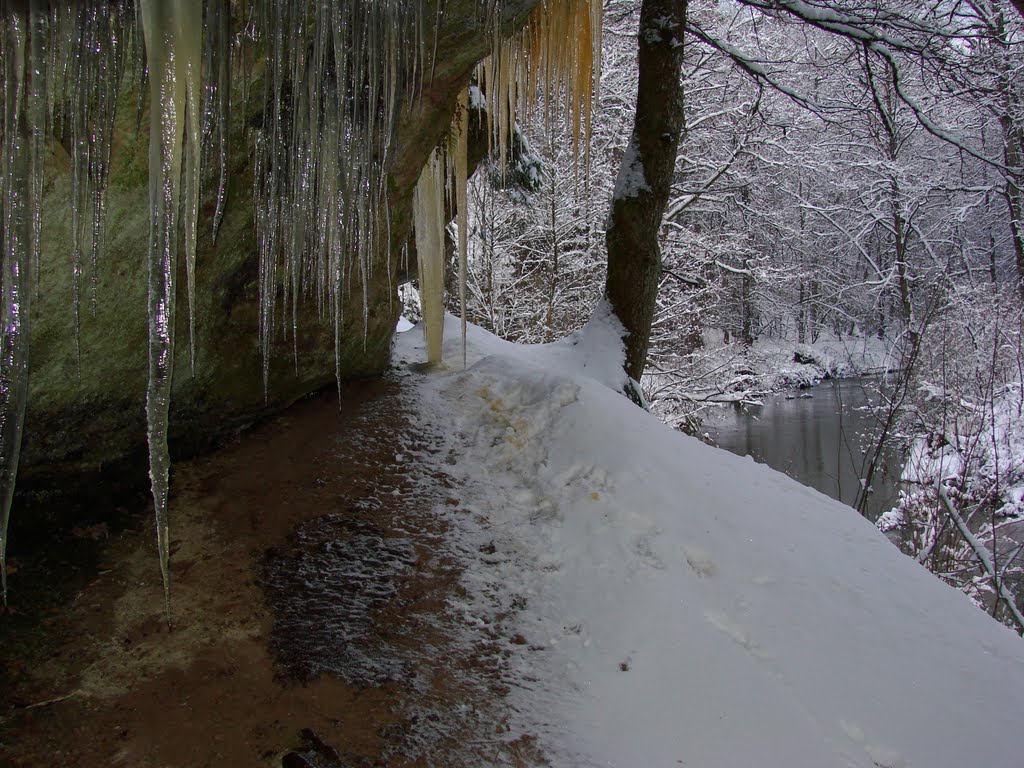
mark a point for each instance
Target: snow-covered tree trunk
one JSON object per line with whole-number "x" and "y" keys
{"x": 645, "y": 177}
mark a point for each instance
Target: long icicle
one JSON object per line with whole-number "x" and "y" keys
{"x": 428, "y": 220}
{"x": 39, "y": 113}
{"x": 189, "y": 66}
{"x": 217, "y": 54}
{"x": 174, "y": 56}
{"x": 15, "y": 238}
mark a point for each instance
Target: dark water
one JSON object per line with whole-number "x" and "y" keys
{"x": 818, "y": 436}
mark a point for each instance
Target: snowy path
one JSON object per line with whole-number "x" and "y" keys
{"x": 661, "y": 603}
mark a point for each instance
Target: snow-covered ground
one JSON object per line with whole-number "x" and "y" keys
{"x": 665, "y": 603}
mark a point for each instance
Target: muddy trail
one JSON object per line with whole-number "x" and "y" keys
{"x": 311, "y": 581}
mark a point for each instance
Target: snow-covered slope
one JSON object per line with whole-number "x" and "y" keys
{"x": 664, "y": 603}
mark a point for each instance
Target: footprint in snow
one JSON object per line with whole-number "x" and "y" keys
{"x": 700, "y": 561}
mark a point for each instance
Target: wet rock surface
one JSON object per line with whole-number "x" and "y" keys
{"x": 323, "y": 591}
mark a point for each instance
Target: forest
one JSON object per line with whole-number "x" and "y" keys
{"x": 847, "y": 189}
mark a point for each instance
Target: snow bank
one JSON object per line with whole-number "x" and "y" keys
{"x": 660, "y": 602}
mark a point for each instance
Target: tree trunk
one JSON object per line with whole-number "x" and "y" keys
{"x": 801, "y": 328}
{"x": 1015, "y": 195}
{"x": 642, "y": 186}
{"x": 900, "y": 244}
{"x": 549, "y": 319}
{"x": 812, "y": 312}
{"x": 747, "y": 305}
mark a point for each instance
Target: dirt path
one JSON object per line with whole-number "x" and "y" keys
{"x": 310, "y": 581}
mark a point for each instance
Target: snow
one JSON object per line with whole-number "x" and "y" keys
{"x": 631, "y": 180}
{"x": 925, "y": 464}
{"x": 664, "y": 603}
{"x": 984, "y": 441}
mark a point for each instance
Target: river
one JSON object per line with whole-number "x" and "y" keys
{"x": 817, "y": 436}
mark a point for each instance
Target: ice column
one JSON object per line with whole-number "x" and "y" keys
{"x": 16, "y": 239}
{"x": 174, "y": 55}
{"x": 429, "y": 219}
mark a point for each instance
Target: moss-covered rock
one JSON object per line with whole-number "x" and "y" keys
{"x": 86, "y": 413}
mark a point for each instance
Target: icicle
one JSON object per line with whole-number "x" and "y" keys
{"x": 173, "y": 50}
{"x": 217, "y": 51}
{"x": 428, "y": 218}
{"x": 267, "y": 197}
{"x": 38, "y": 117}
{"x": 189, "y": 68}
{"x": 462, "y": 204}
{"x": 16, "y": 223}
{"x": 94, "y": 39}
{"x": 557, "y": 57}
{"x": 596, "y": 46}
{"x": 340, "y": 69}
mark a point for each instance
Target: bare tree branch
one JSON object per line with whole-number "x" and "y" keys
{"x": 983, "y": 556}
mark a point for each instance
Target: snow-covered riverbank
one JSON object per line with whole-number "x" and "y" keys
{"x": 731, "y": 373}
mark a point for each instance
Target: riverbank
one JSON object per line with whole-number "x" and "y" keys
{"x": 821, "y": 437}
{"x": 958, "y": 423}
{"x": 682, "y": 389}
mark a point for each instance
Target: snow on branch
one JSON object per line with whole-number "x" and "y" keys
{"x": 754, "y": 68}
{"x": 919, "y": 114}
{"x": 889, "y": 33}
{"x": 903, "y": 32}
{"x": 982, "y": 554}
{"x": 734, "y": 270}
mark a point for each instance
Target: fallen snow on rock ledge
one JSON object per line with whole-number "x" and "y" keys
{"x": 665, "y": 603}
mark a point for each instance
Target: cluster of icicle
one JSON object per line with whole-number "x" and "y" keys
{"x": 62, "y": 69}
{"x": 555, "y": 59}
{"x": 320, "y": 181}
{"x": 336, "y": 74}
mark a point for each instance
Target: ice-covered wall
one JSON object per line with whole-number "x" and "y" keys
{"x": 275, "y": 145}
{"x": 313, "y": 119}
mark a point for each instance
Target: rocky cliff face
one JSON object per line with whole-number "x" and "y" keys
{"x": 86, "y": 411}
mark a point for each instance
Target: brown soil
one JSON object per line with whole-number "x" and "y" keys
{"x": 222, "y": 686}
